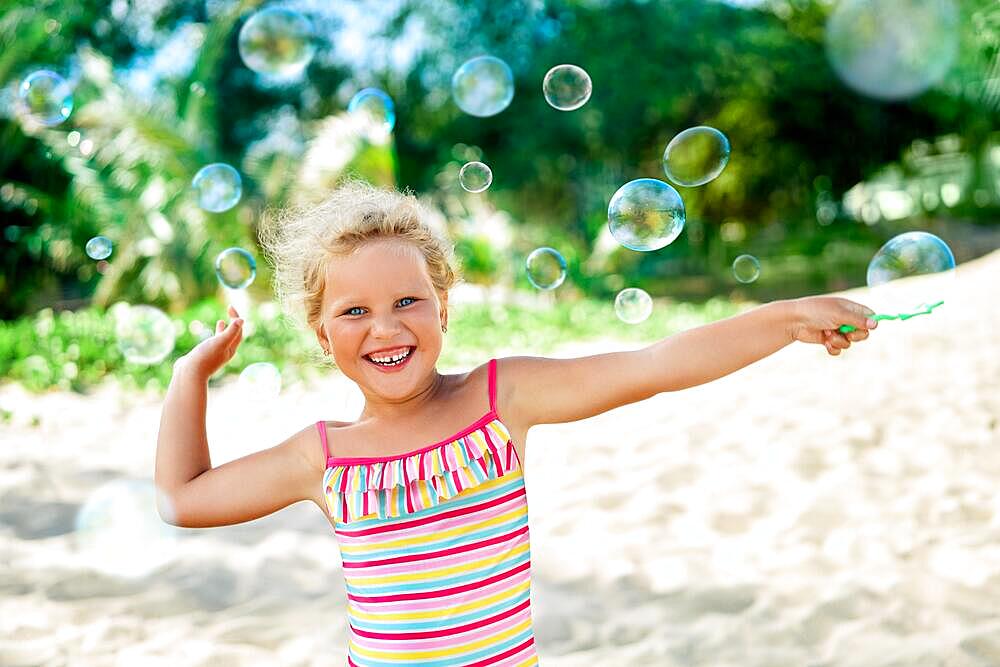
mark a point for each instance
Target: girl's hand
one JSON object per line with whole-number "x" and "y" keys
{"x": 212, "y": 353}
{"x": 815, "y": 319}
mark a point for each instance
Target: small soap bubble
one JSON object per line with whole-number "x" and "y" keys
{"x": 261, "y": 381}
{"x": 145, "y": 334}
{"x": 219, "y": 187}
{"x": 911, "y": 270}
{"x": 45, "y": 97}
{"x": 235, "y": 268}
{"x": 696, "y": 156}
{"x": 567, "y": 87}
{"x": 119, "y": 530}
{"x": 646, "y": 214}
{"x": 277, "y": 41}
{"x": 546, "y": 268}
{"x": 746, "y": 268}
{"x": 633, "y": 305}
{"x": 892, "y": 50}
{"x": 375, "y": 109}
{"x": 98, "y": 247}
{"x": 475, "y": 176}
{"x": 483, "y": 86}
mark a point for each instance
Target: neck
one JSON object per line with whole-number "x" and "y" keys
{"x": 377, "y": 407}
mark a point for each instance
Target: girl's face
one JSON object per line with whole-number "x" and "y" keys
{"x": 381, "y": 319}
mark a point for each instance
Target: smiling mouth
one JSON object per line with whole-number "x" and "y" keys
{"x": 390, "y": 360}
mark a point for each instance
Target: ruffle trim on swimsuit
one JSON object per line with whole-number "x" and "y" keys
{"x": 412, "y": 482}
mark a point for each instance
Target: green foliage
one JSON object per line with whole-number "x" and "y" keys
{"x": 122, "y": 164}
{"x": 78, "y": 350}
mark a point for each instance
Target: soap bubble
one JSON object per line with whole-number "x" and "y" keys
{"x": 645, "y": 214}
{"x": 45, "y": 97}
{"x": 219, "y": 187}
{"x": 633, "y": 305}
{"x": 892, "y": 50}
{"x": 277, "y": 41}
{"x": 119, "y": 530}
{"x": 483, "y": 86}
{"x": 546, "y": 268}
{"x": 696, "y": 156}
{"x": 566, "y": 87}
{"x": 475, "y": 176}
{"x": 746, "y": 268}
{"x": 235, "y": 268}
{"x": 375, "y": 108}
{"x": 98, "y": 247}
{"x": 145, "y": 334}
{"x": 260, "y": 381}
{"x": 911, "y": 270}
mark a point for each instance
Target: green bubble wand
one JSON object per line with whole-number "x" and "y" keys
{"x": 847, "y": 328}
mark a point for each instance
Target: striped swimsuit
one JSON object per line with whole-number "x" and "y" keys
{"x": 435, "y": 551}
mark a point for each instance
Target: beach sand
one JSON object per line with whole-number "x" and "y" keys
{"x": 808, "y": 511}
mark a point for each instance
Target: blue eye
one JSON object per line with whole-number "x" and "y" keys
{"x": 350, "y": 311}
{"x": 407, "y": 298}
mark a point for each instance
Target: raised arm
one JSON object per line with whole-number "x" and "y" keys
{"x": 537, "y": 390}
{"x": 198, "y": 495}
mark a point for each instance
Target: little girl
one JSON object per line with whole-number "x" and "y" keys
{"x": 424, "y": 491}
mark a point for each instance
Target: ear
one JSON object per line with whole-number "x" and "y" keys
{"x": 443, "y": 313}
{"x": 324, "y": 341}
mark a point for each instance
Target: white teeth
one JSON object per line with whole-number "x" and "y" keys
{"x": 393, "y": 360}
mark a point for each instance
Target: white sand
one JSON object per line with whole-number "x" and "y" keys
{"x": 806, "y": 511}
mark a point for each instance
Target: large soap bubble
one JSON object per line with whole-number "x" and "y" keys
{"x": 119, "y": 530}
{"x": 696, "y": 156}
{"x": 235, "y": 268}
{"x": 145, "y": 334}
{"x": 546, "y": 268}
{"x": 45, "y": 97}
{"x": 375, "y": 109}
{"x": 277, "y": 41}
{"x": 892, "y": 49}
{"x": 260, "y": 382}
{"x": 633, "y": 305}
{"x": 646, "y": 214}
{"x": 910, "y": 270}
{"x": 483, "y": 86}
{"x": 566, "y": 87}
{"x": 219, "y": 187}
{"x": 475, "y": 176}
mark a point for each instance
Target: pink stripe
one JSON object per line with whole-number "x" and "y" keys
{"x": 471, "y": 523}
{"x": 442, "y": 592}
{"x": 496, "y": 623}
{"x": 409, "y": 558}
{"x": 354, "y": 460}
{"x": 358, "y": 578}
{"x": 442, "y": 603}
{"x": 514, "y": 660}
{"x": 440, "y": 642}
{"x": 489, "y": 662}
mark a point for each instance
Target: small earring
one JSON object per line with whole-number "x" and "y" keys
{"x": 444, "y": 328}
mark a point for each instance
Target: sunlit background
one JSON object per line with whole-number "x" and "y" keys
{"x": 606, "y": 170}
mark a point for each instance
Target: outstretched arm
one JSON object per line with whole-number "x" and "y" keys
{"x": 537, "y": 390}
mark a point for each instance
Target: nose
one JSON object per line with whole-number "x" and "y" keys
{"x": 384, "y": 325}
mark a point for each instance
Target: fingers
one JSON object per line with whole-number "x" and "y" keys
{"x": 834, "y": 341}
{"x": 860, "y": 316}
{"x": 232, "y": 311}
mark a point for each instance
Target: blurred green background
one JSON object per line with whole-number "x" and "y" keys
{"x": 819, "y": 178}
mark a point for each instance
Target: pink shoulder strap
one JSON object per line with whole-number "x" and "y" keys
{"x": 493, "y": 384}
{"x": 321, "y": 427}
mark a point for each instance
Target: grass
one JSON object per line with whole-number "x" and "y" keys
{"x": 77, "y": 350}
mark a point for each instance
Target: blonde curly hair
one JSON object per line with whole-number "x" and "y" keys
{"x": 299, "y": 241}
